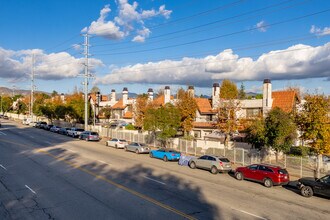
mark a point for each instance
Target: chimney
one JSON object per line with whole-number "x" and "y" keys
{"x": 167, "y": 94}
{"x": 62, "y": 97}
{"x": 125, "y": 95}
{"x": 267, "y": 100}
{"x": 191, "y": 91}
{"x": 215, "y": 95}
{"x": 113, "y": 95}
{"x": 150, "y": 94}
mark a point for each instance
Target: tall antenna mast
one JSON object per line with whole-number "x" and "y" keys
{"x": 32, "y": 87}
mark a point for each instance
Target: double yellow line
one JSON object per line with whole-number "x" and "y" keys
{"x": 147, "y": 198}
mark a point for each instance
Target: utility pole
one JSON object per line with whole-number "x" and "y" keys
{"x": 32, "y": 87}
{"x": 86, "y": 76}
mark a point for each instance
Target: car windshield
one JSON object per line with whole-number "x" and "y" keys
{"x": 122, "y": 140}
{"x": 94, "y": 133}
{"x": 79, "y": 129}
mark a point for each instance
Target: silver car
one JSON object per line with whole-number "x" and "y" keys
{"x": 116, "y": 143}
{"x": 89, "y": 136}
{"x": 137, "y": 148}
{"x": 213, "y": 163}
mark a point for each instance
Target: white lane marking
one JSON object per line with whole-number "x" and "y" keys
{"x": 3, "y": 167}
{"x": 1, "y": 133}
{"x": 153, "y": 180}
{"x": 248, "y": 213}
{"x": 47, "y": 142}
{"x": 30, "y": 189}
{"x": 102, "y": 161}
{"x": 72, "y": 151}
{"x": 31, "y": 136}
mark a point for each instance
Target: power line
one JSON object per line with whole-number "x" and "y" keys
{"x": 200, "y": 26}
{"x": 220, "y": 36}
{"x": 222, "y": 7}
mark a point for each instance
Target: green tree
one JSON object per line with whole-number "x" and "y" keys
{"x": 77, "y": 106}
{"x": 168, "y": 122}
{"x": 106, "y": 112}
{"x": 95, "y": 89}
{"x": 187, "y": 106}
{"x": 228, "y": 90}
{"x": 280, "y": 131}
{"x": 163, "y": 121}
{"x": 256, "y": 133}
{"x": 7, "y": 103}
{"x": 314, "y": 124}
{"x": 54, "y": 93}
{"x": 241, "y": 92}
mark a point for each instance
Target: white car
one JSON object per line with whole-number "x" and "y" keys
{"x": 117, "y": 143}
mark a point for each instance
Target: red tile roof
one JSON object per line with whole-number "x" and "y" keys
{"x": 160, "y": 100}
{"x": 204, "y": 124}
{"x": 128, "y": 115}
{"x": 119, "y": 105}
{"x": 204, "y": 106}
{"x": 284, "y": 100}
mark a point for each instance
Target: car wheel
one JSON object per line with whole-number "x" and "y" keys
{"x": 192, "y": 165}
{"x": 268, "y": 182}
{"x": 106, "y": 144}
{"x": 151, "y": 155}
{"x": 239, "y": 176}
{"x": 137, "y": 151}
{"x": 214, "y": 170}
{"x": 165, "y": 159}
{"x": 306, "y": 191}
{"x": 116, "y": 146}
{"x": 125, "y": 148}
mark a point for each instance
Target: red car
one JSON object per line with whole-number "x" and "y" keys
{"x": 267, "y": 174}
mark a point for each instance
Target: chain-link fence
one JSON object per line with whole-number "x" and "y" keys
{"x": 297, "y": 166}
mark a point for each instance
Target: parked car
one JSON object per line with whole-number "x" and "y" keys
{"x": 33, "y": 123}
{"x": 309, "y": 186}
{"x": 74, "y": 132}
{"x": 48, "y": 127}
{"x": 40, "y": 124}
{"x": 137, "y": 148}
{"x": 55, "y": 129}
{"x": 63, "y": 131}
{"x": 5, "y": 117}
{"x": 165, "y": 154}
{"x": 214, "y": 164}
{"x": 27, "y": 121}
{"x": 117, "y": 143}
{"x": 267, "y": 174}
{"x": 89, "y": 136}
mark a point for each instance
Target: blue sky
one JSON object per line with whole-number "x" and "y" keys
{"x": 149, "y": 44}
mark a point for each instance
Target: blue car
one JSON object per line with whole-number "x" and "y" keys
{"x": 165, "y": 154}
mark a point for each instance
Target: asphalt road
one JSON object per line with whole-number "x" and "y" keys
{"x": 49, "y": 176}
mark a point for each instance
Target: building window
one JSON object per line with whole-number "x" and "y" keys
{"x": 252, "y": 112}
{"x": 197, "y": 134}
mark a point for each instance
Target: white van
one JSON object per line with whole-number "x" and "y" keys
{"x": 27, "y": 121}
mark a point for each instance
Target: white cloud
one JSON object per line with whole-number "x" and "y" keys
{"x": 320, "y": 32}
{"x": 296, "y": 62}
{"x": 261, "y": 26}
{"x": 142, "y": 34}
{"x": 129, "y": 18}
{"x": 16, "y": 65}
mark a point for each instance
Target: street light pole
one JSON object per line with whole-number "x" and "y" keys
{"x": 86, "y": 75}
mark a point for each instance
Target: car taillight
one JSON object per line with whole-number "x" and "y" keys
{"x": 90, "y": 136}
{"x": 221, "y": 163}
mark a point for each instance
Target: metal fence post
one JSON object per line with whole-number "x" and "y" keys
{"x": 285, "y": 160}
{"x": 234, "y": 155}
{"x": 243, "y": 156}
{"x": 301, "y": 167}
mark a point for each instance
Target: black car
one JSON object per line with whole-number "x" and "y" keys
{"x": 309, "y": 186}
{"x": 63, "y": 131}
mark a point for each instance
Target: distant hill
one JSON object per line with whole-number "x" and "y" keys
{"x": 24, "y": 92}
